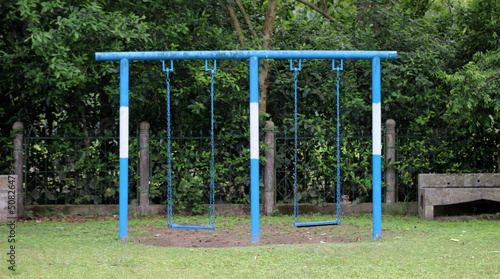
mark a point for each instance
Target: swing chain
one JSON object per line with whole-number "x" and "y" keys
{"x": 212, "y": 140}
{"x": 295, "y": 171}
{"x": 295, "y": 136}
{"x": 338, "y": 197}
{"x": 169, "y": 150}
{"x": 169, "y": 143}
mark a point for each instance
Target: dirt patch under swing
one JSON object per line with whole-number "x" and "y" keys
{"x": 239, "y": 235}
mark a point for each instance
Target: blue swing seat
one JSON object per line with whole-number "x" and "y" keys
{"x": 192, "y": 227}
{"x": 320, "y": 223}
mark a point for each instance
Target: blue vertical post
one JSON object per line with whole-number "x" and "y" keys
{"x": 377, "y": 148}
{"x": 124, "y": 139}
{"x": 254, "y": 150}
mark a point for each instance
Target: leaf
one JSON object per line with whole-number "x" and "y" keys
{"x": 110, "y": 192}
{"x": 49, "y": 195}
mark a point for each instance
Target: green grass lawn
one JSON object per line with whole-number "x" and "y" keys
{"x": 410, "y": 247}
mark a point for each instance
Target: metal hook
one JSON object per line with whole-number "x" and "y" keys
{"x": 338, "y": 68}
{"x": 214, "y": 66}
{"x": 292, "y": 68}
{"x": 171, "y": 69}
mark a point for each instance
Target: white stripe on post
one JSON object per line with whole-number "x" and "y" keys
{"x": 377, "y": 129}
{"x": 124, "y": 133}
{"x": 254, "y": 131}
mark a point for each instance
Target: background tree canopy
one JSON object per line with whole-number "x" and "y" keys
{"x": 445, "y": 81}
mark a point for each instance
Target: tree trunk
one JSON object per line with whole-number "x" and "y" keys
{"x": 267, "y": 36}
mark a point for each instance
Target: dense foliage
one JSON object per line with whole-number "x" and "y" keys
{"x": 444, "y": 85}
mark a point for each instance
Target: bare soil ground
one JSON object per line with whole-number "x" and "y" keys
{"x": 239, "y": 235}
{"x": 231, "y": 236}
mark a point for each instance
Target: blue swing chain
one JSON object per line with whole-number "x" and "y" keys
{"x": 296, "y": 138}
{"x": 169, "y": 144}
{"x": 212, "y": 141}
{"x": 296, "y": 71}
{"x": 338, "y": 197}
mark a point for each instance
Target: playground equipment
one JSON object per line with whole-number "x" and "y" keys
{"x": 296, "y": 71}
{"x": 171, "y": 224}
{"x": 253, "y": 56}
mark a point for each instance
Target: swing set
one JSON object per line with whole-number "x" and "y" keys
{"x": 253, "y": 57}
{"x": 211, "y": 224}
{"x": 296, "y": 214}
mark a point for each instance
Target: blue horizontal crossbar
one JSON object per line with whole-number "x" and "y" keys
{"x": 192, "y": 227}
{"x": 321, "y": 223}
{"x": 245, "y": 54}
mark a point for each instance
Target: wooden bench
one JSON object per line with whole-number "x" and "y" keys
{"x": 447, "y": 189}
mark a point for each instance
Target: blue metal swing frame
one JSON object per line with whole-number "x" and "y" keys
{"x": 253, "y": 56}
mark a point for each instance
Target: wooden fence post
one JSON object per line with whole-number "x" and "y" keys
{"x": 144, "y": 167}
{"x": 18, "y": 129}
{"x": 269, "y": 187}
{"x": 390, "y": 159}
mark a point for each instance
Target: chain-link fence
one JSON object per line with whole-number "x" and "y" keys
{"x": 85, "y": 170}
{"x": 72, "y": 170}
{"x": 441, "y": 154}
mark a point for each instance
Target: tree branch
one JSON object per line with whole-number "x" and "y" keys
{"x": 323, "y": 13}
{"x": 247, "y": 19}
{"x": 236, "y": 24}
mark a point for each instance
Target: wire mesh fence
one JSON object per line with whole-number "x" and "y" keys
{"x": 317, "y": 165}
{"x": 191, "y": 171}
{"x": 71, "y": 170}
{"x": 416, "y": 154}
{"x": 85, "y": 170}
